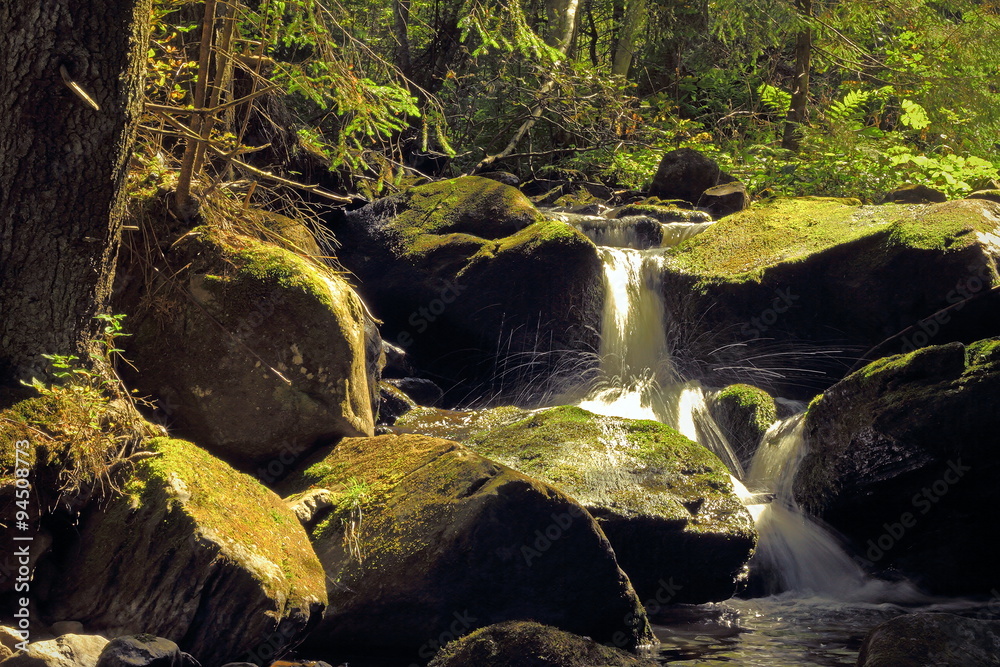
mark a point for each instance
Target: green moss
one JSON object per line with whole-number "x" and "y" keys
{"x": 547, "y": 231}
{"x": 583, "y": 454}
{"x": 756, "y": 401}
{"x": 446, "y": 206}
{"x": 740, "y": 246}
{"x": 250, "y": 522}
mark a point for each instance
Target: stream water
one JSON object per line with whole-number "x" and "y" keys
{"x": 821, "y": 603}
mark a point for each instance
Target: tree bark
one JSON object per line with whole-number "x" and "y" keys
{"x": 800, "y": 94}
{"x": 62, "y": 168}
{"x": 401, "y": 22}
{"x": 625, "y": 47}
{"x": 561, "y": 16}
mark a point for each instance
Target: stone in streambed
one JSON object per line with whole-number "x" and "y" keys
{"x": 666, "y": 503}
{"x": 744, "y": 413}
{"x": 923, "y": 639}
{"x": 65, "y": 651}
{"x": 529, "y": 644}
{"x": 428, "y": 540}
{"x": 901, "y": 458}
{"x": 771, "y": 293}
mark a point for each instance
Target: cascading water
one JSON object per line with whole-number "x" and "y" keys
{"x": 637, "y": 380}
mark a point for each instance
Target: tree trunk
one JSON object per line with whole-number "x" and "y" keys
{"x": 401, "y": 20}
{"x": 561, "y": 16}
{"x": 800, "y": 94}
{"x": 62, "y": 168}
{"x": 634, "y": 15}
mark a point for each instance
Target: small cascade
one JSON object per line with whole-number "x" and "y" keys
{"x": 676, "y": 232}
{"x": 638, "y": 232}
{"x": 637, "y": 379}
{"x": 795, "y": 553}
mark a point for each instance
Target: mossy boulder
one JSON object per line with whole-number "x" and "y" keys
{"x": 765, "y": 290}
{"x": 249, "y": 349}
{"x": 529, "y": 644}
{"x": 919, "y": 639}
{"x": 193, "y": 551}
{"x": 901, "y": 457}
{"x": 428, "y": 540}
{"x": 666, "y": 503}
{"x": 483, "y": 293}
{"x": 744, "y": 413}
{"x": 457, "y": 425}
{"x": 661, "y": 213}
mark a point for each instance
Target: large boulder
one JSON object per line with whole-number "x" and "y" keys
{"x": 144, "y": 651}
{"x": 529, "y": 644}
{"x": 923, "y": 639}
{"x": 666, "y": 503}
{"x": 901, "y": 457}
{"x": 686, "y": 174}
{"x": 249, "y": 349}
{"x": 192, "y": 551}
{"x": 64, "y": 651}
{"x": 427, "y": 540}
{"x": 809, "y": 284}
{"x": 483, "y": 293}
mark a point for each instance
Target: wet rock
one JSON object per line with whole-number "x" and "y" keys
{"x": 725, "y": 199}
{"x": 307, "y": 506}
{"x": 529, "y": 644}
{"x": 428, "y": 541}
{"x": 65, "y": 651}
{"x": 144, "y": 651}
{"x": 504, "y": 177}
{"x": 395, "y": 362}
{"x": 486, "y": 296}
{"x": 661, "y": 213}
{"x": 767, "y": 295}
{"x": 393, "y": 404}
{"x": 914, "y": 194}
{"x": 210, "y": 559}
{"x": 666, "y": 503}
{"x": 922, "y": 639}
{"x": 901, "y": 459}
{"x": 250, "y": 349}
{"x": 457, "y": 425}
{"x": 744, "y": 413}
{"x": 422, "y": 391}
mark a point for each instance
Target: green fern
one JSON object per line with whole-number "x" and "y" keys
{"x": 776, "y": 99}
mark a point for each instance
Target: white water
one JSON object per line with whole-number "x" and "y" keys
{"x": 638, "y": 381}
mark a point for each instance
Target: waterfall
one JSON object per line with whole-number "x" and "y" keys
{"x": 795, "y": 553}
{"x": 637, "y": 380}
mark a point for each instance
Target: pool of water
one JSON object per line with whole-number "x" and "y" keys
{"x": 778, "y": 631}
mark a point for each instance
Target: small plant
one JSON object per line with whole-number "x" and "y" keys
{"x": 352, "y": 499}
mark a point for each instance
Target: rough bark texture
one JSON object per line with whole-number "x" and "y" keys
{"x": 625, "y": 47}
{"x": 800, "y": 95}
{"x": 62, "y": 167}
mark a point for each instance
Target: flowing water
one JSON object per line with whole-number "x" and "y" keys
{"x": 821, "y": 603}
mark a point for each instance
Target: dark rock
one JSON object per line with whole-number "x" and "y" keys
{"x": 423, "y": 391}
{"x": 914, "y": 194}
{"x": 926, "y": 640}
{"x": 530, "y": 644}
{"x": 486, "y": 296}
{"x": 790, "y": 280}
{"x": 989, "y": 195}
{"x": 394, "y": 403}
{"x": 686, "y": 174}
{"x": 395, "y": 362}
{"x": 662, "y": 213}
{"x": 504, "y": 177}
{"x": 144, "y": 651}
{"x": 430, "y": 540}
{"x": 902, "y": 459}
{"x": 725, "y": 199}
{"x": 666, "y": 503}
{"x": 637, "y": 231}
{"x": 193, "y": 551}
{"x": 744, "y": 413}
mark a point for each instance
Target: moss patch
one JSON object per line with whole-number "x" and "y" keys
{"x": 585, "y": 455}
{"x": 792, "y": 230}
